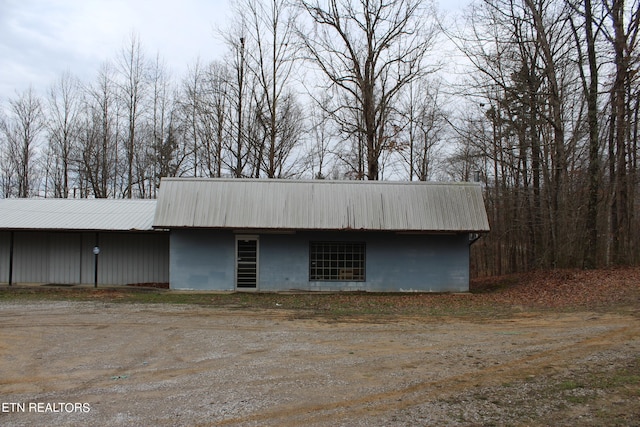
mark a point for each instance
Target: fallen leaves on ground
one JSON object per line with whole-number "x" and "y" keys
{"x": 563, "y": 288}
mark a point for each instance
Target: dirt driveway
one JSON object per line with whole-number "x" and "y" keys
{"x": 96, "y": 363}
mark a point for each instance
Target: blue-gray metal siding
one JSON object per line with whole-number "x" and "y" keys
{"x": 201, "y": 259}
{"x": 204, "y": 259}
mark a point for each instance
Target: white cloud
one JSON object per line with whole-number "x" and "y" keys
{"x": 41, "y": 39}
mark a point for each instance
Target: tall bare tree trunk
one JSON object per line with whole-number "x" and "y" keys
{"x": 591, "y": 255}
{"x": 618, "y": 137}
{"x": 559, "y": 160}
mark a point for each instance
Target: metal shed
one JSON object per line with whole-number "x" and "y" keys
{"x": 52, "y": 241}
{"x": 254, "y": 234}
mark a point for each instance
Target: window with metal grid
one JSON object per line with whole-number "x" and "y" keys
{"x": 337, "y": 261}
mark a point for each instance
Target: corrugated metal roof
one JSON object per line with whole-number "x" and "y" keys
{"x": 320, "y": 205}
{"x": 76, "y": 214}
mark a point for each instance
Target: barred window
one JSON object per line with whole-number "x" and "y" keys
{"x": 337, "y": 261}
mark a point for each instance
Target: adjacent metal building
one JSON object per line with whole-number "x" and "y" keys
{"x": 53, "y": 241}
{"x": 273, "y": 235}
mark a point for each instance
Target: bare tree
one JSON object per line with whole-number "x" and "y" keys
{"x": 133, "y": 68}
{"x": 320, "y": 150}
{"x": 239, "y": 97}
{"x": 97, "y": 155}
{"x": 545, "y": 33}
{"x": 423, "y": 128}
{"x": 63, "y": 127}
{"x": 217, "y": 117}
{"x": 162, "y": 149}
{"x": 289, "y": 125}
{"x": 369, "y": 50}
{"x": 207, "y": 116}
{"x": 527, "y": 83}
{"x": 21, "y": 130}
{"x": 192, "y": 97}
{"x": 624, "y": 39}
{"x": 6, "y": 168}
{"x": 270, "y": 26}
{"x": 586, "y": 33}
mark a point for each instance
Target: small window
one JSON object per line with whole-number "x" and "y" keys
{"x": 337, "y": 261}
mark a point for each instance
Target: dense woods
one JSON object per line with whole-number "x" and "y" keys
{"x": 539, "y": 100}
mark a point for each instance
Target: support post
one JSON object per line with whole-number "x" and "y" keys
{"x": 96, "y": 252}
{"x": 11, "y": 258}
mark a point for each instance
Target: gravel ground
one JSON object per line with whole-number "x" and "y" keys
{"x": 127, "y": 364}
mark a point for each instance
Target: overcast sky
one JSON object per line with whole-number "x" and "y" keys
{"x": 40, "y": 39}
